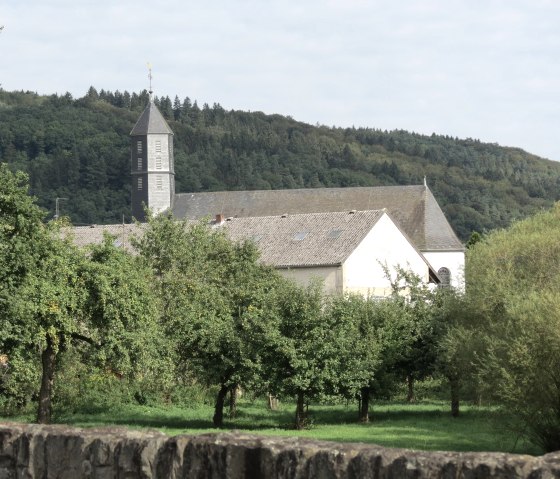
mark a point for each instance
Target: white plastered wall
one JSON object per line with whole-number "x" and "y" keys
{"x": 454, "y": 261}
{"x": 331, "y": 277}
{"x": 384, "y": 245}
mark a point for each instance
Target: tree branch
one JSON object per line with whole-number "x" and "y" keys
{"x": 81, "y": 337}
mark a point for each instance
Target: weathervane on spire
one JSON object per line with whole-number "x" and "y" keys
{"x": 150, "y": 78}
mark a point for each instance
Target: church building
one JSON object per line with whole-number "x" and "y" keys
{"x": 412, "y": 210}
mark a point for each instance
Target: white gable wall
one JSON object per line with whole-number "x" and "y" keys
{"x": 384, "y": 245}
{"x": 454, "y": 261}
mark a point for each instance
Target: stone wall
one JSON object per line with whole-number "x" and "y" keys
{"x": 34, "y": 451}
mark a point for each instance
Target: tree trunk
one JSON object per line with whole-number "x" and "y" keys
{"x": 233, "y": 401}
{"x": 272, "y": 402}
{"x": 300, "y": 411}
{"x": 364, "y": 405}
{"x": 218, "y": 418}
{"x": 454, "y": 383}
{"x": 410, "y": 384}
{"x": 48, "y": 360}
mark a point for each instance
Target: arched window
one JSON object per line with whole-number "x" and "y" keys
{"x": 445, "y": 276}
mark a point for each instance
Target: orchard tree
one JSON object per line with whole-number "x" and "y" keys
{"x": 319, "y": 352}
{"x": 217, "y": 302}
{"x": 459, "y": 343}
{"x": 21, "y": 230}
{"x": 54, "y": 294}
{"x": 416, "y": 328}
{"x": 359, "y": 322}
{"x": 47, "y": 309}
{"x": 103, "y": 299}
{"x": 122, "y": 311}
{"x": 301, "y": 368}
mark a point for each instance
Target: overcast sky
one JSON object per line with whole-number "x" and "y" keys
{"x": 483, "y": 69}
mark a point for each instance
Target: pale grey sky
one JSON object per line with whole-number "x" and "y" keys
{"x": 487, "y": 69}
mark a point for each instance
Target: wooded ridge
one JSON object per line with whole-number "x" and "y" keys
{"x": 79, "y": 149}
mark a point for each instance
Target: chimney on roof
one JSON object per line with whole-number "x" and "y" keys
{"x": 219, "y": 219}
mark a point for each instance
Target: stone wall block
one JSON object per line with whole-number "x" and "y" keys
{"x": 31, "y": 451}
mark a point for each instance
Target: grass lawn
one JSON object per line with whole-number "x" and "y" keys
{"x": 425, "y": 426}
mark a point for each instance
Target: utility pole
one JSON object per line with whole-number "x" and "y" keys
{"x": 56, "y": 207}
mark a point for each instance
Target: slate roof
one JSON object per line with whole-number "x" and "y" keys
{"x": 413, "y": 208}
{"x": 285, "y": 241}
{"x": 151, "y": 121}
{"x": 313, "y": 239}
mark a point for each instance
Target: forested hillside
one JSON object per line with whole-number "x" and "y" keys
{"x": 79, "y": 149}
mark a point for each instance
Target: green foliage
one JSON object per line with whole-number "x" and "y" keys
{"x": 306, "y": 358}
{"x": 411, "y": 331}
{"x": 122, "y": 310}
{"x": 18, "y": 380}
{"x": 79, "y": 149}
{"x": 514, "y": 279}
{"x": 215, "y": 298}
{"x": 55, "y": 294}
{"x": 357, "y": 323}
{"x": 473, "y": 239}
{"x": 20, "y": 223}
{"x": 81, "y": 385}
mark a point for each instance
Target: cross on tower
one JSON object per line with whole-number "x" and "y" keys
{"x": 150, "y": 78}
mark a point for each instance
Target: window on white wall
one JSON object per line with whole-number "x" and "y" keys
{"x": 445, "y": 276}
{"x": 158, "y": 162}
{"x": 159, "y": 183}
{"x": 158, "y": 146}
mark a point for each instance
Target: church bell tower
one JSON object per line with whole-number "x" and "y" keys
{"x": 151, "y": 162}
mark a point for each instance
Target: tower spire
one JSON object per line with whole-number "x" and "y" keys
{"x": 151, "y": 92}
